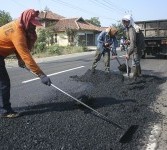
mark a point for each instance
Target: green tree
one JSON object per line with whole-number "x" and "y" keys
{"x": 4, "y": 17}
{"x": 40, "y": 45}
{"x": 121, "y": 30}
{"x": 94, "y": 20}
{"x": 45, "y": 38}
{"x": 71, "y": 33}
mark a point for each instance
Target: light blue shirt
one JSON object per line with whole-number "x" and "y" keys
{"x": 103, "y": 38}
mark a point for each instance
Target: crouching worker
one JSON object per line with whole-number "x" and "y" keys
{"x": 106, "y": 42}
{"x": 135, "y": 44}
{"x": 18, "y": 37}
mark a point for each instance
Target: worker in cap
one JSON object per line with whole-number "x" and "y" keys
{"x": 18, "y": 37}
{"x": 106, "y": 42}
{"x": 131, "y": 30}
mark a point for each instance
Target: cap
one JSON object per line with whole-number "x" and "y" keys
{"x": 35, "y": 21}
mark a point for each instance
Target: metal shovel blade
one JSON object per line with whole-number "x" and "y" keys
{"x": 128, "y": 135}
{"x": 122, "y": 67}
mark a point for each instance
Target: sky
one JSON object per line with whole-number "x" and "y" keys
{"x": 108, "y": 11}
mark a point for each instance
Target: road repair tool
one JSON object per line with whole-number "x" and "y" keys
{"x": 127, "y": 136}
{"x": 124, "y": 68}
{"x": 127, "y": 69}
{"x": 121, "y": 67}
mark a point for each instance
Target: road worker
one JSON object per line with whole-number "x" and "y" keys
{"x": 18, "y": 37}
{"x": 107, "y": 42}
{"x": 132, "y": 30}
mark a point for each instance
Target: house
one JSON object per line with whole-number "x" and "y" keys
{"x": 69, "y": 31}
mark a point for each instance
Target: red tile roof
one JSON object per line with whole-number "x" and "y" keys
{"x": 103, "y": 28}
{"x": 75, "y": 23}
{"x": 63, "y": 23}
{"x": 50, "y": 15}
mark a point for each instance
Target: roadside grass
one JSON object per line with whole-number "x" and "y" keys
{"x": 54, "y": 50}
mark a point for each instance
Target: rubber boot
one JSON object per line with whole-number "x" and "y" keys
{"x": 107, "y": 70}
{"x": 134, "y": 72}
{"x": 93, "y": 70}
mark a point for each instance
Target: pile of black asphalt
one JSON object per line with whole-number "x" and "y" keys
{"x": 67, "y": 125}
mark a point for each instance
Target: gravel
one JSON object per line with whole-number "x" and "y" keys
{"x": 64, "y": 125}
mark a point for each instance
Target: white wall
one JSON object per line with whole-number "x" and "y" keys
{"x": 62, "y": 39}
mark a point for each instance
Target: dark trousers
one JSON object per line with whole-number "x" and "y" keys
{"x": 4, "y": 86}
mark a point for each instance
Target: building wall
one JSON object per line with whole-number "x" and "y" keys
{"x": 62, "y": 39}
{"x": 87, "y": 38}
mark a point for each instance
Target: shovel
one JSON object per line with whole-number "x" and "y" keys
{"x": 122, "y": 67}
{"x": 127, "y": 136}
{"x": 127, "y": 70}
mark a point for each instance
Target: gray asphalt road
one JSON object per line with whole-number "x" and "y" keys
{"x": 34, "y": 91}
{"x": 52, "y": 120}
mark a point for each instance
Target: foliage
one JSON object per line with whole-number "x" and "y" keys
{"x": 94, "y": 20}
{"x": 71, "y": 33}
{"x": 121, "y": 30}
{"x": 54, "y": 49}
{"x": 62, "y": 50}
{"x": 44, "y": 39}
{"x": 41, "y": 42}
{"x": 4, "y": 18}
{"x": 46, "y": 8}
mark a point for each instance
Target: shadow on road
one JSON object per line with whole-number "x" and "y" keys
{"x": 95, "y": 103}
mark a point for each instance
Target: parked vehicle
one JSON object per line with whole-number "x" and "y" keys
{"x": 155, "y": 32}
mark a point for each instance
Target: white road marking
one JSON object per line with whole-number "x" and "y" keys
{"x": 53, "y": 74}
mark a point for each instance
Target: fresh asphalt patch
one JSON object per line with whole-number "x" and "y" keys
{"x": 61, "y": 123}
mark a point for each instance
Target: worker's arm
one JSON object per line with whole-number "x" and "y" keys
{"x": 20, "y": 61}
{"x": 101, "y": 38}
{"x": 132, "y": 38}
{"x": 21, "y": 47}
{"x": 20, "y": 44}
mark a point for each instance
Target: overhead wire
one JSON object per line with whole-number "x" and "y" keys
{"x": 105, "y": 6}
{"x": 111, "y": 4}
{"x": 109, "y": 7}
{"x": 80, "y": 9}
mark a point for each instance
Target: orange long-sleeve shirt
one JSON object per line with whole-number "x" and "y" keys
{"x": 13, "y": 40}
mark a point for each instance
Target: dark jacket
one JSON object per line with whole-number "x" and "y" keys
{"x": 132, "y": 37}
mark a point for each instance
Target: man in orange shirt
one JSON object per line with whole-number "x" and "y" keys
{"x": 18, "y": 37}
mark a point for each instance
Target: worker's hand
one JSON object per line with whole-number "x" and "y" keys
{"x": 106, "y": 44}
{"x": 127, "y": 56}
{"x": 21, "y": 64}
{"x": 45, "y": 80}
{"x": 127, "y": 42}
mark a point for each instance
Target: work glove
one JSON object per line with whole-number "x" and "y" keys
{"x": 21, "y": 64}
{"x": 45, "y": 80}
{"x": 127, "y": 42}
{"x": 106, "y": 44}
